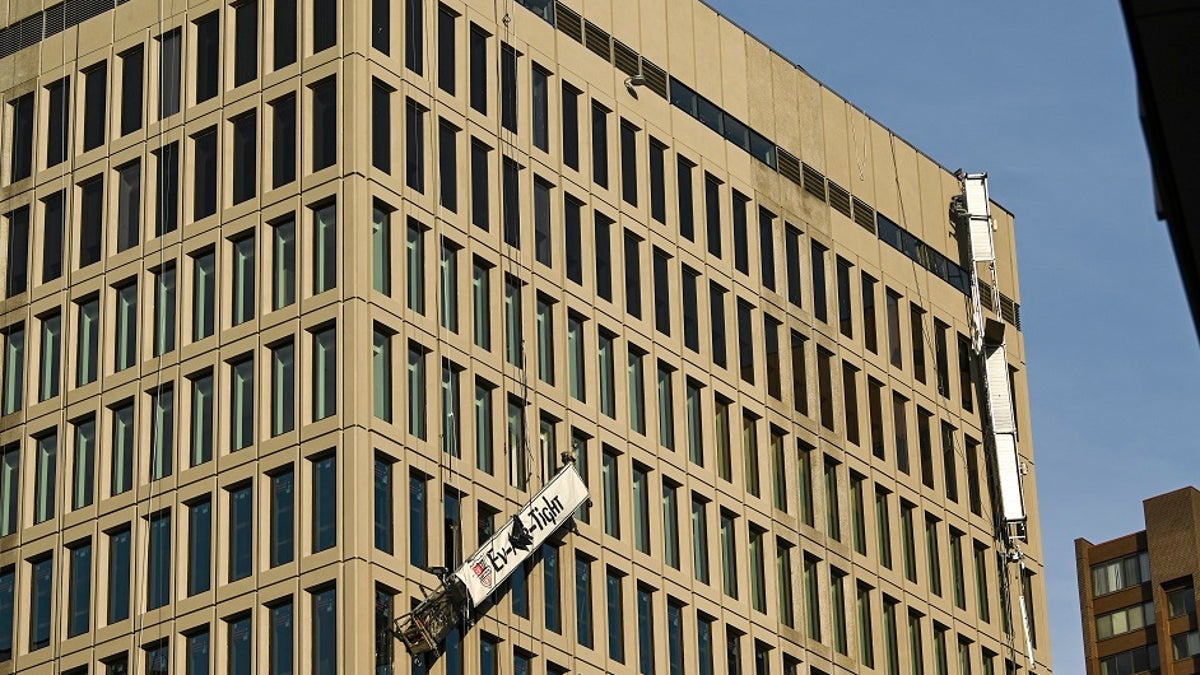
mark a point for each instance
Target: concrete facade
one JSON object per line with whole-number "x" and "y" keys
{"x": 764, "y": 382}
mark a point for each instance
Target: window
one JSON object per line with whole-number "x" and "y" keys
{"x": 606, "y": 352}
{"x": 18, "y": 246}
{"x": 729, "y": 576}
{"x": 603, "y": 256}
{"x": 448, "y": 164}
{"x": 324, "y": 247}
{"x": 204, "y": 195}
{"x": 645, "y": 610}
{"x": 616, "y": 616}
{"x": 208, "y": 56}
{"x": 158, "y": 577}
{"x": 900, "y": 423}
{"x": 884, "y": 524}
{"x": 245, "y": 47}
{"x": 51, "y": 356}
{"x": 480, "y": 192}
{"x": 916, "y": 323}
{"x": 933, "y": 552}
{"x": 508, "y": 87}
{"x": 41, "y": 592}
{"x": 46, "y": 476}
{"x": 118, "y": 574}
{"x": 479, "y": 69}
{"x": 52, "y": 238}
{"x": 666, "y": 406}
{"x": 633, "y": 275}
{"x": 325, "y": 25}
{"x": 283, "y": 141}
{"x": 324, "y": 631}
{"x": 941, "y": 358}
{"x": 164, "y": 309}
{"x": 58, "y": 121}
{"x": 166, "y": 213}
{"x": 891, "y": 644}
{"x": 812, "y": 598}
{"x": 552, "y": 583}
{"x": 129, "y": 205}
{"x": 837, "y": 601}
{"x": 966, "y": 386}
{"x": 641, "y": 509}
{"x": 704, "y": 643}
{"x": 95, "y": 102}
{"x": 199, "y": 543}
{"x": 324, "y": 122}
{"x": 414, "y": 167}
{"x": 483, "y": 426}
{"x": 241, "y": 531}
{"x": 575, "y": 355}
{"x": 818, "y": 281}
{"x": 868, "y": 305}
{"x": 325, "y": 507}
{"x": 284, "y": 26}
{"x": 279, "y": 646}
{"x": 545, "y": 339}
{"x": 447, "y": 71}
{"x": 385, "y": 642}
{"x": 245, "y": 154}
{"x": 1136, "y": 660}
{"x": 939, "y": 649}
{"x": 162, "y": 434}
{"x": 825, "y": 387}
{"x": 716, "y": 307}
{"x": 949, "y": 462}
{"x": 324, "y": 373}
{"x": 662, "y": 291}
{"x": 1119, "y": 574}
{"x": 629, "y": 163}
{"x": 1185, "y": 645}
{"x": 916, "y": 644}
{"x": 242, "y": 398}
{"x": 8, "y": 582}
{"x": 982, "y": 597}
{"x": 22, "y": 144}
{"x": 414, "y": 36}
{"x": 1135, "y": 617}
{"x": 758, "y": 573}
{"x": 122, "y": 447}
{"x": 612, "y": 504}
{"x": 543, "y": 245}
{"x": 570, "y": 125}
{"x": 1180, "y": 601}
{"x": 481, "y": 292}
{"x": 418, "y": 524}
{"x": 91, "y": 220}
{"x": 169, "y": 44}
{"x": 691, "y": 311}
{"x": 910, "y": 552}
{"x": 244, "y": 276}
{"x": 637, "y": 391}
{"x": 540, "y": 107}
{"x": 79, "y": 593}
{"x": 850, "y": 401}
{"x": 750, "y": 454}
{"x": 283, "y": 519}
{"x": 741, "y": 244}
{"x": 513, "y": 322}
{"x": 451, "y": 409}
{"x": 600, "y": 144}
{"x": 721, "y": 433}
{"x": 895, "y": 349}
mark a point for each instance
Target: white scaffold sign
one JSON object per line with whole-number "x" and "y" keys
{"x": 545, "y": 513}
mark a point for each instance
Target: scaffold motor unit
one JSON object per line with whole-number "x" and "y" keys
{"x": 973, "y": 209}
{"x": 486, "y": 569}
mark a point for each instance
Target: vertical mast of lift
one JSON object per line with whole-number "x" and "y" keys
{"x": 989, "y": 344}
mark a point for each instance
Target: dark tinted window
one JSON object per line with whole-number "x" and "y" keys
{"x": 414, "y": 36}
{"x": 245, "y": 156}
{"x": 283, "y": 165}
{"x": 479, "y": 69}
{"x": 629, "y": 182}
{"x": 283, "y": 519}
{"x": 324, "y": 130}
{"x": 131, "y": 90}
{"x": 170, "y": 44}
{"x": 91, "y": 220}
{"x": 204, "y": 198}
{"x": 22, "y": 145}
{"x": 58, "y": 121}
{"x": 158, "y": 577}
{"x": 414, "y": 124}
{"x": 241, "y": 532}
{"x": 480, "y": 202}
{"x": 446, "y": 49}
{"x": 448, "y": 165}
{"x": 381, "y": 126}
{"x": 324, "y": 24}
{"x": 508, "y": 88}
{"x": 541, "y": 108}
{"x": 245, "y": 57}
{"x": 284, "y": 31}
{"x": 570, "y": 126}
{"x": 52, "y": 243}
{"x": 129, "y": 205}
{"x": 18, "y": 251}
{"x": 325, "y": 511}
{"x": 208, "y": 56}
{"x": 199, "y": 546}
{"x": 95, "y": 105}
{"x": 166, "y": 211}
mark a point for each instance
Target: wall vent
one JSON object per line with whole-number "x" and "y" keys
{"x": 789, "y": 166}
{"x": 625, "y": 59}
{"x": 814, "y": 182}
{"x": 569, "y": 22}
{"x": 839, "y": 198}
{"x": 864, "y": 215}
{"x": 656, "y": 78}
{"x": 597, "y": 40}
{"x": 1008, "y": 309}
{"x": 985, "y": 295}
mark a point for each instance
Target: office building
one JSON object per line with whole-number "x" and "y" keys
{"x": 1137, "y": 593}
{"x": 303, "y": 299}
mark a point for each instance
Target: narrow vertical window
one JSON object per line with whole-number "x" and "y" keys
{"x": 245, "y": 157}
{"x": 573, "y": 237}
{"x": 324, "y": 373}
{"x": 245, "y": 48}
{"x": 448, "y": 165}
{"x": 805, "y": 480}
{"x": 666, "y": 406}
{"x": 325, "y": 503}
{"x": 22, "y": 144}
{"x": 658, "y": 181}
{"x": 283, "y": 259}
{"x": 241, "y": 531}
{"x": 381, "y": 26}
{"x": 58, "y": 121}
{"x": 729, "y": 544}
{"x": 825, "y": 387}
{"x": 716, "y": 308}
{"x": 603, "y": 241}
{"x": 324, "y": 241}
{"x": 414, "y": 36}
{"x": 381, "y": 126}
{"x": 283, "y": 138}
{"x": 18, "y": 252}
{"x": 324, "y": 137}
{"x": 721, "y": 434}
{"x": 41, "y": 601}
{"x": 844, "y": 299}
{"x": 164, "y": 309}
{"x": 121, "y": 471}
{"x": 14, "y": 368}
{"x": 324, "y": 631}
{"x": 514, "y": 341}
{"x": 284, "y": 30}
{"x": 280, "y": 648}
{"x": 162, "y": 433}
{"x": 481, "y": 298}
{"x": 158, "y": 574}
{"x": 616, "y": 616}
{"x": 641, "y": 509}
{"x": 645, "y": 612}
{"x": 746, "y": 340}
{"x": 244, "y": 277}
{"x": 510, "y": 201}
{"x": 451, "y": 409}
{"x": 600, "y": 144}
{"x": 202, "y": 418}
{"x": 689, "y": 290}
{"x": 812, "y": 598}
{"x": 283, "y": 388}
{"x": 384, "y": 507}
{"x": 629, "y": 163}
{"x": 783, "y": 583}
{"x": 700, "y": 539}
{"x": 750, "y": 459}
{"x": 79, "y": 590}
{"x": 540, "y": 108}
{"x": 51, "y": 356}
{"x": 119, "y": 559}
{"x": 53, "y": 225}
{"x": 695, "y": 423}
{"x": 129, "y": 205}
{"x": 543, "y": 245}
{"x": 833, "y": 500}
{"x": 414, "y": 131}
{"x": 416, "y": 390}
{"x": 545, "y": 339}
{"x": 204, "y": 195}
{"x": 633, "y": 274}
{"x": 611, "y": 491}
{"x": 131, "y": 89}
{"x": 683, "y": 187}
{"x": 418, "y": 524}
{"x": 570, "y": 125}
{"x": 241, "y": 428}
{"x": 484, "y": 453}
{"x": 125, "y": 346}
{"x": 820, "y": 293}
{"x": 758, "y": 581}
{"x": 508, "y": 87}
{"x": 712, "y": 213}
{"x": 170, "y": 62}
{"x": 325, "y": 25}
{"x": 199, "y": 567}
{"x": 88, "y": 347}
{"x": 203, "y": 295}
{"x": 166, "y": 211}
{"x": 91, "y": 220}
{"x": 95, "y": 105}
{"x": 83, "y": 483}
{"x": 883, "y": 524}
{"x": 917, "y": 325}
{"x": 208, "y": 56}
{"x": 381, "y": 373}
{"x": 381, "y": 248}
{"x": 480, "y": 192}
{"x": 8, "y": 584}
{"x": 637, "y": 391}
{"x": 850, "y": 401}
{"x": 741, "y": 235}
{"x": 870, "y": 330}
{"x": 895, "y": 350}
{"x": 479, "y": 69}
{"x": 858, "y": 523}
{"x": 607, "y": 358}
{"x": 239, "y": 637}
{"x": 766, "y": 247}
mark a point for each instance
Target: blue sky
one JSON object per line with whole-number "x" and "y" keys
{"x": 1042, "y": 97}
